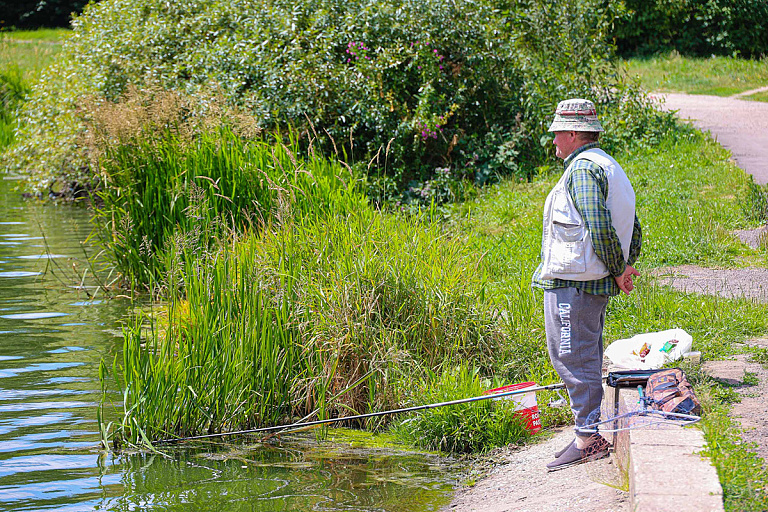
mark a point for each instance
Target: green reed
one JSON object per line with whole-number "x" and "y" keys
{"x": 324, "y": 307}
{"x": 161, "y": 189}
{"x": 324, "y": 316}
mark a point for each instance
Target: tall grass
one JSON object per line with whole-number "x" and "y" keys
{"x": 473, "y": 427}
{"x": 162, "y": 190}
{"x": 331, "y": 316}
{"x": 331, "y": 311}
{"x": 755, "y": 203}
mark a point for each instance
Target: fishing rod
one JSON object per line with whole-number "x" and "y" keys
{"x": 489, "y": 396}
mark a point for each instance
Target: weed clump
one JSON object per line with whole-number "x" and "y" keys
{"x": 464, "y": 428}
{"x": 756, "y": 201}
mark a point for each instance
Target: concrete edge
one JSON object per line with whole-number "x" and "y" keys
{"x": 663, "y": 462}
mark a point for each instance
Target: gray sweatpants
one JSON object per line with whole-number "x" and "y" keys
{"x": 574, "y": 323}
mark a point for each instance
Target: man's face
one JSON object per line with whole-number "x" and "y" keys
{"x": 566, "y": 143}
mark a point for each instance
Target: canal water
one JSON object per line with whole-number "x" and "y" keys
{"x": 53, "y": 335}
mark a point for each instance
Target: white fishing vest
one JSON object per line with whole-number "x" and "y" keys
{"x": 566, "y": 248}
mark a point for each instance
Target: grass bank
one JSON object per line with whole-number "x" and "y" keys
{"x": 23, "y": 55}
{"x": 718, "y": 76}
{"x": 31, "y": 50}
{"x": 363, "y": 310}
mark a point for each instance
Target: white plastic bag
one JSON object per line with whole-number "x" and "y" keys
{"x": 627, "y": 352}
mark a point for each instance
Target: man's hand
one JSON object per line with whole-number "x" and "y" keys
{"x": 625, "y": 279}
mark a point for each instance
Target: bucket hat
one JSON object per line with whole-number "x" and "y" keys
{"x": 576, "y": 115}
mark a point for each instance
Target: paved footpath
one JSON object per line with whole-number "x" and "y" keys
{"x": 739, "y": 125}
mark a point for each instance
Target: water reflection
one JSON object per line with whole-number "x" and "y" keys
{"x": 300, "y": 474}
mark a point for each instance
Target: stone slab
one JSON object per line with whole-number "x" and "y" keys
{"x": 677, "y": 503}
{"x": 666, "y": 469}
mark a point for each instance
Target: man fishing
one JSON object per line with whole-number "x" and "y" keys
{"x": 591, "y": 238}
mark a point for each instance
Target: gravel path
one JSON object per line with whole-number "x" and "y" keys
{"x": 732, "y": 283}
{"x": 739, "y": 125}
{"x": 522, "y": 484}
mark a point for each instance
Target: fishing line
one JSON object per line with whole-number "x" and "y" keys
{"x": 363, "y": 416}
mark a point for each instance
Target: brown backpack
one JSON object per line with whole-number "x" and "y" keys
{"x": 670, "y": 391}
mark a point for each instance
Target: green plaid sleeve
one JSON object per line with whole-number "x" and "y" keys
{"x": 637, "y": 242}
{"x": 588, "y": 187}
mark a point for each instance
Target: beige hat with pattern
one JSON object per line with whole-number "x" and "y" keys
{"x": 576, "y": 115}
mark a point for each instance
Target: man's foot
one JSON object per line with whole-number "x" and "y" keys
{"x": 596, "y": 448}
{"x": 562, "y": 450}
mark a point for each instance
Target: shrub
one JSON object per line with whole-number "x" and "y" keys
{"x": 472, "y": 427}
{"x": 694, "y": 27}
{"x": 403, "y": 87}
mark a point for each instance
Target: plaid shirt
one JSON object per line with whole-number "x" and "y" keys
{"x": 588, "y": 187}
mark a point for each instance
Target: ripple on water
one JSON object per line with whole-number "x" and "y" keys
{"x": 38, "y": 367}
{"x": 11, "y": 424}
{"x": 41, "y": 406}
{"x": 25, "y": 394}
{"x": 87, "y": 303}
{"x": 36, "y": 493}
{"x": 46, "y": 462}
{"x": 65, "y": 350}
{"x": 20, "y": 445}
{"x": 19, "y": 273}
{"x": 33, "y": 316}
{"x": 42, "y": 257}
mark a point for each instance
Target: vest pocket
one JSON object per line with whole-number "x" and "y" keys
{"x": 568, "y": 250}
{"x": 568, "y": 232}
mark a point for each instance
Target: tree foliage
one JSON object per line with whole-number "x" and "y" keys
{"x": 694, "y": 27}
{"x": 26, "y": 14}
{"x": 413, "y": 93}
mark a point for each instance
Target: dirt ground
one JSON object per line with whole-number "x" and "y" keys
{"x": 521, "y": 482}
